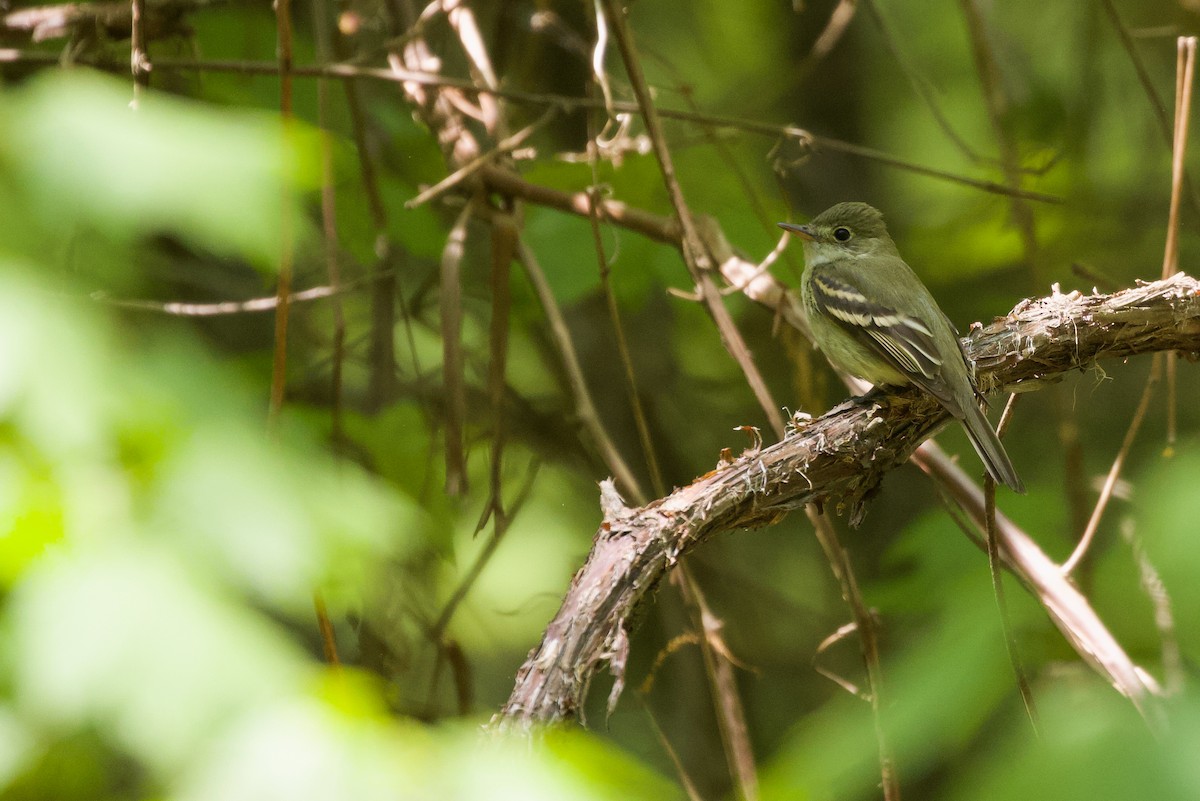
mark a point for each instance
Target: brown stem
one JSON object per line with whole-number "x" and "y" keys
{"x": 864, "y": 623}
{"x": 283, "y": 292}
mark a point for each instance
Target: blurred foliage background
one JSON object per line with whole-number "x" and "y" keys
{"x": 162, "y": 544}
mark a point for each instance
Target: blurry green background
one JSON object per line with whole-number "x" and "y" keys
{"x": 160, "y": 551}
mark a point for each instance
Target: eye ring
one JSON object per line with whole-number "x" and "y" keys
{"x": 842, "y": 234}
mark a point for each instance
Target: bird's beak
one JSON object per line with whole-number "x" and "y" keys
{"x": 801, "y": 231}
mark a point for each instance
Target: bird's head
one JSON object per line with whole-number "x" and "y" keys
{"x": 844, "y": 231}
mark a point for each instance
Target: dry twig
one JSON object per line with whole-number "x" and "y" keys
{"x": 864, "y": 624}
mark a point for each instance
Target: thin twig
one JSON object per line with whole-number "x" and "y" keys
{"x": 1164, "y": 618}
{"x": 864, "y": 621}
{"x": 1066, "y": 606}
{"x": 689, "y": 786}
{"x": 614, "y": 314}
{"x": 1006, "y": 416}
{"x": 381, "y": 382}
{"x": 253, "y": 306}
{"x": 718, "y": 661}
{"x": 673, "y": 646}
{"x": 501, "y": 522}
{"x": 139, "y": 59}
{"x": 824, "y": 143}
{"x": 839, "y": 20}
{"x": 996, "y": 569}
{"x": 452, "y": 353}
{"x": 333, "y": 268}
{"x": 996, "y": 104}
{"x": 919, "y": 83}
{"x": 843, "y": 631}
{"x": 283, "y": 21}
{"x": 325, "y": 626}
{"x": 720, "y": 144}
{"x": 718, "y": 666}
{"x": 585, "y": 409}
{"x": 598, "y": 71}
{"x": 758, "y": 285}
{"x": 695, "y": 254}
{"x": 1139, "y": 66}
{"x": 1114, "y": 471}
{"x": 654, "y": 226}
{"x": 504, "y": 244}
{"x": 323, "y": 36}
{"x": 504, "y": 236}
{"x": 442, "y": 111}
{"x": 743, "y": 282}
{"x": 462, "y": 20}
{"x": 400, "y": 74}
{"x": 1075, "y": 484}
{"x": 1151, "y": 91}
{"x": 1185, "y": 70}
{"x": 470, "y": 168}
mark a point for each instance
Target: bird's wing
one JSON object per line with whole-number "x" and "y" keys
{"x": 908, "y": 345}
{"x": 901, "y": 339}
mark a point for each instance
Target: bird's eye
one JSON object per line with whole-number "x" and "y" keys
{"x": 841, "y": 234}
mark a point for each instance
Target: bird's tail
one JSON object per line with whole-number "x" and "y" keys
{"x": 988, "y": 446}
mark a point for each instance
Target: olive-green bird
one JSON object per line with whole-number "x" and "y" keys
{"x": 874, "y": 318}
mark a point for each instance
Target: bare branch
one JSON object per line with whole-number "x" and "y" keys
{"x": 840, "y": 458}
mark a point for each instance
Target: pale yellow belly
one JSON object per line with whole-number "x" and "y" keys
{"x": 845, "y": 352}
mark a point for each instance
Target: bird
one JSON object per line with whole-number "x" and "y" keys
{"x": 875, "y": 319}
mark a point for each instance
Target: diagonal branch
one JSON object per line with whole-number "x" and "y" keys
{"x": 840, "y": 458}
{"x": 695, "y": 254}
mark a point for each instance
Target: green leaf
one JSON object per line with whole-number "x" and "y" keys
{"x": 222, "y": 179}
{"x": 127, "y": 637}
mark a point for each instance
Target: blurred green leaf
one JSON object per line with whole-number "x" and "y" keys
{"x": 130, "y": 639}
{"x": 220, "y": 181}
{"x": 16, "y": 744}
{"x": 299, "y": 749}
